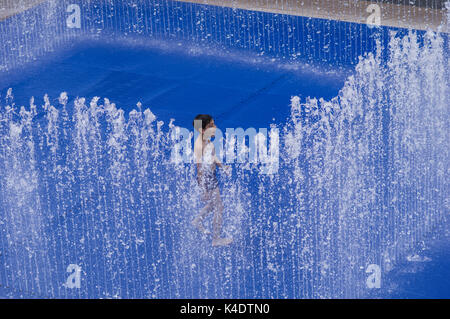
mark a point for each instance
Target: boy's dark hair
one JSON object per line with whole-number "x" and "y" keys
{"x": 205, "y": 118}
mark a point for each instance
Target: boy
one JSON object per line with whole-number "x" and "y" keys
{"x": 206, "y": 162}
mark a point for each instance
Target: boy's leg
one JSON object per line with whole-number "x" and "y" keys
{"x": 218, "y": 221}
{"x": 218, "y": 211}
{"x": 198, "y": 221}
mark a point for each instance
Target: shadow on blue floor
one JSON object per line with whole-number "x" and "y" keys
{"x": 173, "y": 85}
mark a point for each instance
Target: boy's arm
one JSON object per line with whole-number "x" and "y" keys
{"x": 199, "y": 173}
{"x": 216, "y": 160}
{"x": 218, "y": 163}
{"x": 198, "y": 161}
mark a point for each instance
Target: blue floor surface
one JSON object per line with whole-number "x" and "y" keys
{"x": 425, "y": 274}
{"x": 176, "y": 86}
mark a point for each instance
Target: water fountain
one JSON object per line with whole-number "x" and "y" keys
{"x": 89, "y": 189}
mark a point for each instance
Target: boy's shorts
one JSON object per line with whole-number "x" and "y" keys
{"x": 209, "y": 182}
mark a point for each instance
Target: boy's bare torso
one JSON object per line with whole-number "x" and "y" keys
{"x": 205, "y": 154}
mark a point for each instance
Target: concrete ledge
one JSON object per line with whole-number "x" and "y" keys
{"x": 392, "y": 15}
{"x": 9, "y": 8}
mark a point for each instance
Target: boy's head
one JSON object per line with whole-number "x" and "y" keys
{"x": 202, "y": 122}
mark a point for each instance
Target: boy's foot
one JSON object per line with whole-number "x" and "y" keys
{"x": 197, "y": 223}
{"x": 222, "y": 241}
